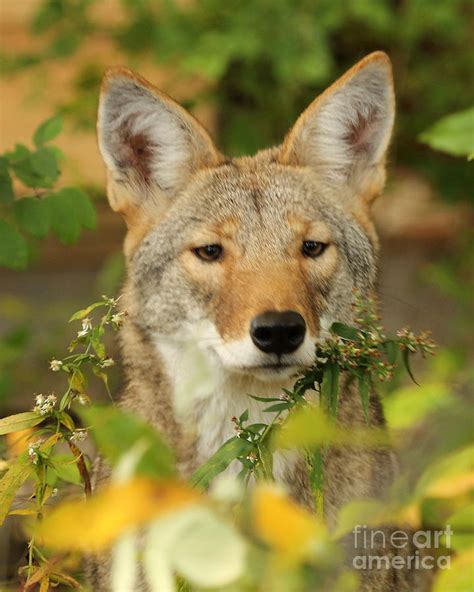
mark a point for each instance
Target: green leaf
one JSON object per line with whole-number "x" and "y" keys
{"x": 13, "y": 247}
{"x": 32, "y": 216}
{"x": 453, "y": 134}
{"x": 65, "y": 223}
{"x": 406, "y": 362}
{"x": 65, "y": 468}
{"x": 364, "y": 391}
{"x": 82, "y": 205}
{"x": 462, "y": 524}
{"x": 19, "y": 421}
{"x": 220, "y": 460}
{"x": 81, "y": 314}
{"x": 11, "y": 482}
{"x": 44, "y": 163}
{"x": 330, "y": 387}
{"x": 48, "y": 130}
{"x": 265, "y": 399}
{"x": 345, "y": 331}
{"x": 6, "y": 188}
{"x": 22, "y": 165}
{"x": 458, "y": 578}
{"x": 244, "y": 417}
{"x": 392, "y": 348}
{"x": 116, "y": 431}
{"x": 277, "y": 407}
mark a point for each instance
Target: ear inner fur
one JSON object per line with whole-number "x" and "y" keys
{"x": 342, "y": 149}
{"x": 150, "y": 144}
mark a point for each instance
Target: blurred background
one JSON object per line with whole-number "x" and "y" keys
{"x": 246, "y": 70}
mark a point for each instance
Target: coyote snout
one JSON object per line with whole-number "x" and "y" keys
{"x": 278, "y": 332}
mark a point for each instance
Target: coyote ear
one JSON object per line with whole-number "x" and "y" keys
{"x": 344, "y": 134}
{"x": 150, "y": 144}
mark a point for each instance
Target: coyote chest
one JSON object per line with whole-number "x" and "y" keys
{"x": 205, "y": 401}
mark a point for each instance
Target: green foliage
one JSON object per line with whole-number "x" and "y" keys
{"x": 264, "y": 62}
{"x": 31, "y": 207}
{"x": 116, "y": 433}
{"x": 453, "y": 134}
{"x": 228, "y": 537}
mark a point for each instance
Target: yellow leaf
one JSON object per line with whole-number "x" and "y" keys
{"x": 458, "y": 578}
{"x": 449, "y": 476}
{"x": 91, "y": 525}
{"x": 23, "y": 512}
{"x": 451, "y": 485}
{"x": 283, "y": 525}
{"x": 17, "y": 442}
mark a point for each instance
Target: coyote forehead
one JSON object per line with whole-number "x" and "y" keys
{"x": 264, "y": 251}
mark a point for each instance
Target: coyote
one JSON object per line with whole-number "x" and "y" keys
{"x": 240, "y": 265}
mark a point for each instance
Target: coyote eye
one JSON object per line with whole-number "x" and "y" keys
{"x": 313, "y": 248}
{"x": 209, "y": 252}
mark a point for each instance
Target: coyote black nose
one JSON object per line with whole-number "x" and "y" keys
{"x": 278, "y": 332}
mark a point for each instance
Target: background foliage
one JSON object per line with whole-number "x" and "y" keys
{"x": 265, "y": 61}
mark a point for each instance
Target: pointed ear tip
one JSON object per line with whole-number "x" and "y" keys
{"x": 379, "y": 58}
{"x": 116, "y": 74}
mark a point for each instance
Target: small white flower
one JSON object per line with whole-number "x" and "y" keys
{"x": 107, "y": 363}
{"x": 252, "y": 457}
{"x": 82, "y": 400}
{"x": 117, "y": 319}
{"x": 54, "y": 492}
{"x": 55, "y": 365}
{"x": 32, "y": 454}
{"x": 86, "y": 327}
{"x": 45, "y": 404}
{"x": 78, "y": 436}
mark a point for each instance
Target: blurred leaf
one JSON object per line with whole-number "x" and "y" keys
{"x": 448, "y": 476}
{"x": 462, "y": 524}
{"x": 48, "y": 130}
{"x": 82, "y": 206}
{"x": 410, "y": 405}
{"x": 13, "y": 247}
{"x": 124, "y": 562}
{"x": 459, "y": 577}
{"x": 374, "y": 512}
{"x": 92, "y": 525}
{"x": 310, "y": 427}
{"x": 116, "y": 431}
{"x": 453, "y": 134}
{"x": 6, "y": 188}
{"x": 284, "y": 525}
{"x": 13, "y": 479}
{"x": 32, "y": 216}
{"x": 197, "y": 544}
{"x": 65, "y": 222}
{"x": 20, "y": 421}
{"x": 220, "y": 460}
{"x": 44, "y": 164}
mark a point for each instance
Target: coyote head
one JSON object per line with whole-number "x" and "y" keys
{"x": 261, "y": 253}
